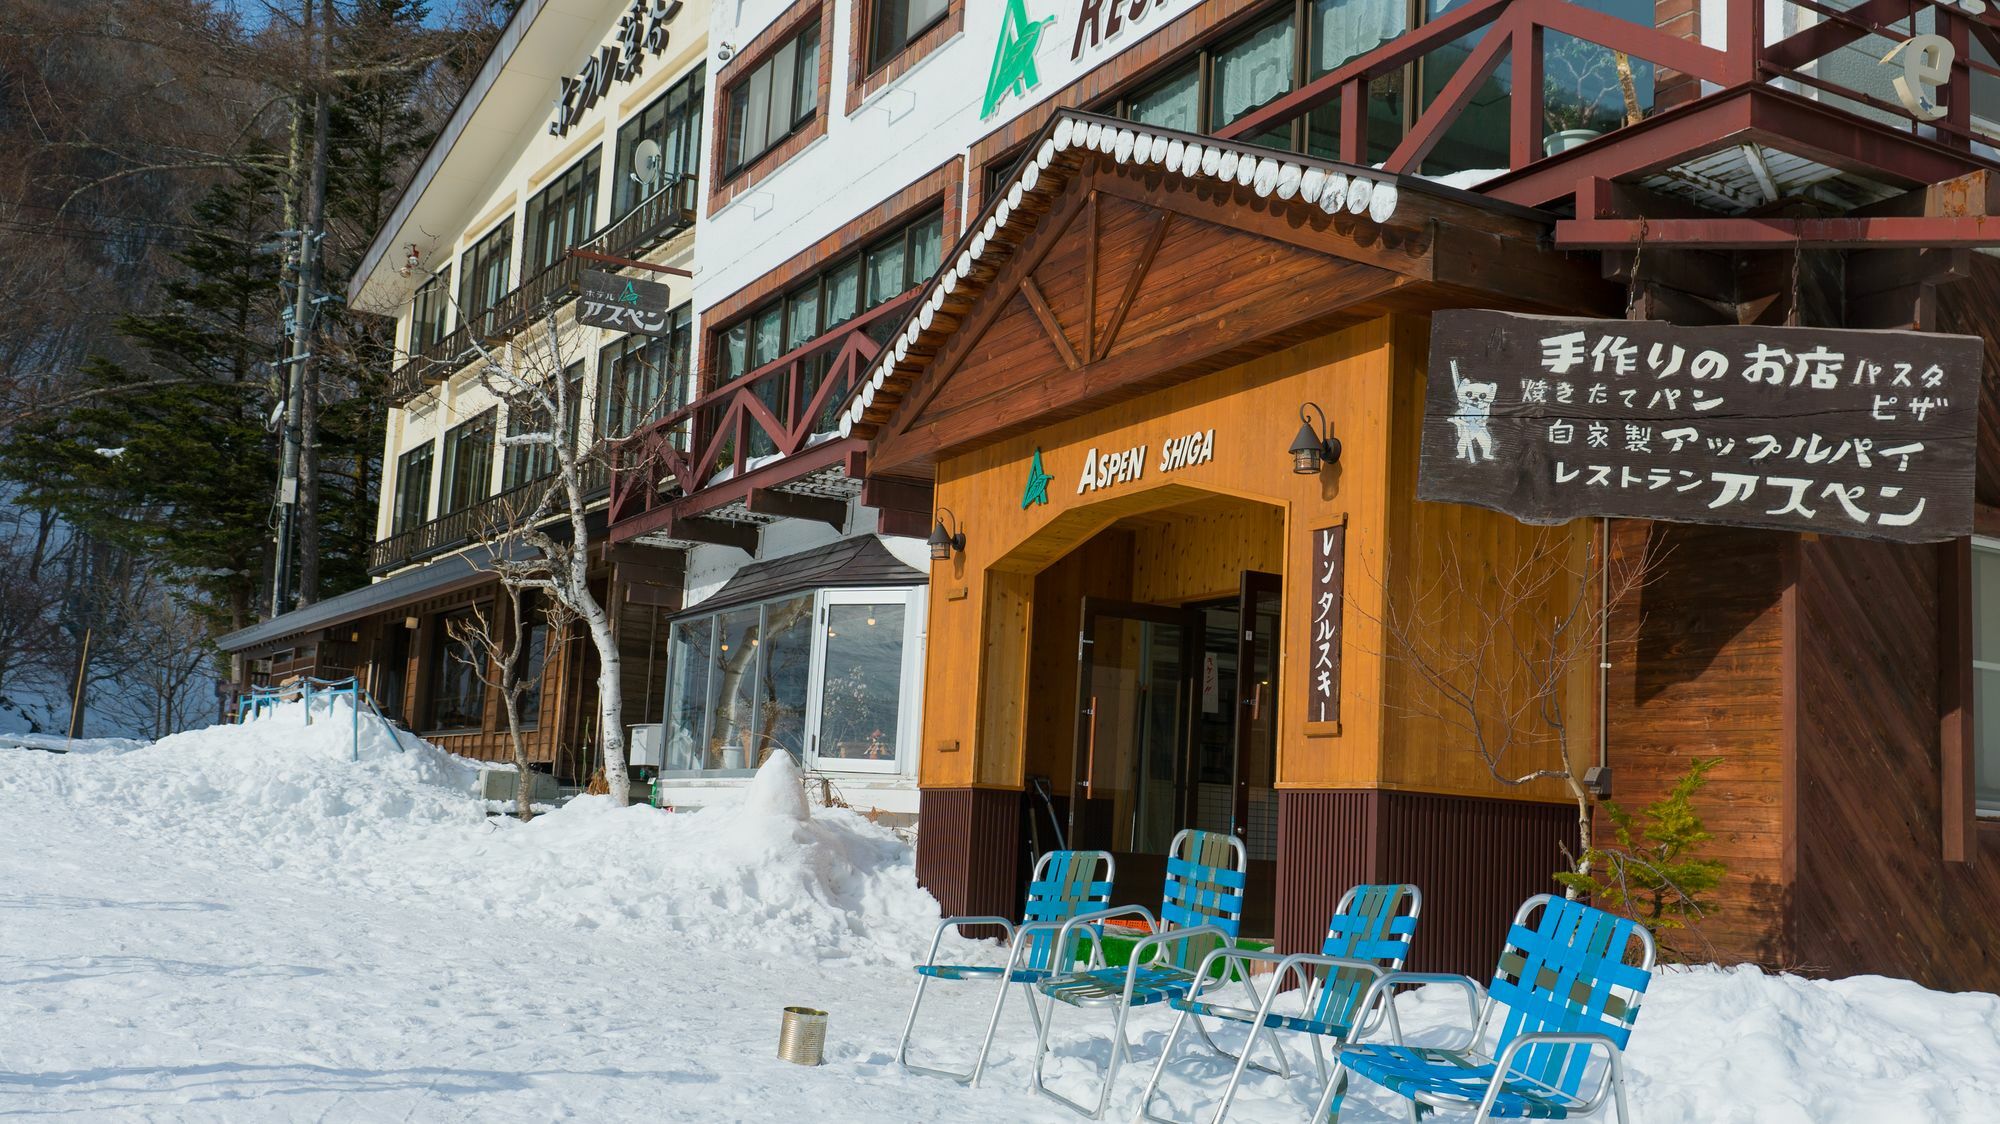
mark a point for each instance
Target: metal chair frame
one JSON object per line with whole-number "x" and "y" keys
{"x": 1167, "y": 930}
{"x": 1333, "y": 997}
{"x": 1035, "y": 951}
{"x": 1563, "y": 1053}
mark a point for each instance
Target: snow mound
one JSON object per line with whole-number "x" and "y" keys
{"x": 388, "y": 813}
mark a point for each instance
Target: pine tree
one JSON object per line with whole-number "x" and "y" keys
{"x": 1658, "y": 881}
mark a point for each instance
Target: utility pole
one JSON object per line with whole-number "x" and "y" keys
{"x": 305, "y": 313}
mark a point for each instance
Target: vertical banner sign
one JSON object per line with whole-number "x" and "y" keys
{"x": 1323, "y": 624}
{"x": 1868, "y": 434}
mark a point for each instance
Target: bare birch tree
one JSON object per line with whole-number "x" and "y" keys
{"x": 498, "y": 651}
{"x": 1493, "y": 645}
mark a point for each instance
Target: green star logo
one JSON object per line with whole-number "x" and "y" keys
{"x": 1014, "y": 56}
{"x": 1038, "y": 480}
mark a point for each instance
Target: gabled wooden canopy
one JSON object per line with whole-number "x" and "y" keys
{"x": 1124, "y": 259}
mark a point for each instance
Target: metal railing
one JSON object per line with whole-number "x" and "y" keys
{"x": 263, "y": 701}
{"x": 652, "y": 221}
{"x": 483, "y": 519}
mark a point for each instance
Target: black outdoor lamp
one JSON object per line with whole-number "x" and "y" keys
{"x": 1312, "y": 448}
{"x": 943, "y": 542}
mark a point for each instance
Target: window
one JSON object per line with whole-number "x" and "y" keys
{"x": 430, "y": 317}
{"x": 643, "y": 378}
{"x": 830, "y": 677}
{"x": 673, "y": 122}
{"x": 458, "y": 694}
{"x": 525, "y": 464}
{"x": 413, "y": 489}
{"x": 468, "y": 464}
{"x": 534, "y": 660}
{"x": 562, "y": 215}
{"x": 886, "y": 269}
{"x": 895, "y": 24}
{"x": 484, "y": 275}
{"x": 777, "y": 98}
{"x": 1986, "y": 674}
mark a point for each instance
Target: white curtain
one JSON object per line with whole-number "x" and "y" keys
{"x": 1253, "y": 72}
{"x": 1346, "y": 29}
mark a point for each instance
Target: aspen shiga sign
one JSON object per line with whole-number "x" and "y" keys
{"x": 1869, "y": 434}
{"x": 623, "y": 304}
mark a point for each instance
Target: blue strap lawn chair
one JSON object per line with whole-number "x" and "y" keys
{"x": 1367, "y": 938}
{"x": 1066, "y": 884}
{"x": 1565, "y": 989}
{"x": 1200, "y": 911}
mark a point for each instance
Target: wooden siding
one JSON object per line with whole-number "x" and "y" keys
{"x": 1698, "y": 671}
{"x": 1873, "y": 892}
{"x": 968, "y": 853}
{"x": 1475, "y": 860}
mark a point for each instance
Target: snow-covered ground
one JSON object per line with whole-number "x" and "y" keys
{"x": 243, "y": 924}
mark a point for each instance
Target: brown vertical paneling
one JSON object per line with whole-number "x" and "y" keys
{"x": 968, "y": 851}
{"x": 1956, "y": 733}
{"x": 1476, "y": 862}
{"x": 1326, "y": 843}
{"x": 1697, "y": 670}
{"x": 1874, "y": 893}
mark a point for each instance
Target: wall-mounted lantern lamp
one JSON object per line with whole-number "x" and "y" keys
{"x": 1313, "y": 448}
{"x": 944, "y": 542}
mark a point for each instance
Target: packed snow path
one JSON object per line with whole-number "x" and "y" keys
{"x": 241, "y": 925}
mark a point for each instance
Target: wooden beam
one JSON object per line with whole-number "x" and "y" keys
{"x": 715, "y": 532}
{"x": 1154, "y": 237}
{"x": 1045, "y": 314}
{"x": 1443, "y": 111}
{"x": 907, "y": 495}
{"x": 904, "y": 524}
{"x": 1090, "y": 280}
{"x": 1769, "y": 234}
{"x": 789, "y": 505}
{"x": 1956, "y": 733}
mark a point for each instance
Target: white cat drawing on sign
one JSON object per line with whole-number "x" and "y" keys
{"x": 1475, "y": 408}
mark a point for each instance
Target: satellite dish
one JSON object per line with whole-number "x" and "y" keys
{"x": 646, "y": 164}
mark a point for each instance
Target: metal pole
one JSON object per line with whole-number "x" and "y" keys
{"x": 298, "y": 368}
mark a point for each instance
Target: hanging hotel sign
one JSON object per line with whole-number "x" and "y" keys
{"x": 642, "y": 33}
{"x": 623, "y": 304}
{"x": 1870, "y": 434}
{"x": 1323, "y": 626}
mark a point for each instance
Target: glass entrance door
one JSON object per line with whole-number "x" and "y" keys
{"x": 1132, "y": 688}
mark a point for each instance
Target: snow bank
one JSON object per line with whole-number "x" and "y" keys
{"x": 765, "y": 873}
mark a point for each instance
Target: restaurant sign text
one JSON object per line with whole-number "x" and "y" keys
{"x": 1120, "y": 466}
{"x": 1870, "y": 434}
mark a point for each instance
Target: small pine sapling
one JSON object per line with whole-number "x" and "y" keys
{"x": 1656, "y": 880}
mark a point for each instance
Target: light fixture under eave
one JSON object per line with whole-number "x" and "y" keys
{"x": 944, "y": 543}
{"x": 1312, "y": 449}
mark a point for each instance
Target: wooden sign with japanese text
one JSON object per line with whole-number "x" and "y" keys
{"x": 1870, "y": 434}
{"x": 1323, "y": 627}
{"x": 623, "y": 304}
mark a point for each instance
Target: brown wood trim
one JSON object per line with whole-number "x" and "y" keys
{"x": 861, "y": 83}
{"x": 721, "y": 190}
{"x": 1957, "y": 736}
{"x": 1154, "y": 237}
{"x": 1791, "y": 563}
{"x": 1040, "y": 306}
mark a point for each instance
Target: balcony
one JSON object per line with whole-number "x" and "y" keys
{"x": 661, "y": 215}
{"x": 483, "y": 520}
{"x": 716, "y": 450}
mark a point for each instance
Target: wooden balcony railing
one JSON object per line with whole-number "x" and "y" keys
{"x": 773, "y": 412}
{"x": 654, "y": 220}
{"x": 481, "y": 520}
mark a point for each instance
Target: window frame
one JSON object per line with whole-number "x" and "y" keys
{"x": 737, "y": 158}
{"x": 914, "y": 601}
{"x": 430, "y": 312}
{"x": 686, "y": 156}
{"x": 568, "y": 195}
{"x": 1985, "y": 814}
{"x": 671, "y": 377}
{"x": 874, "y": 57}
{"x": 487, "y": 421}
{"x": 441, "y": 644}
{"x": 522, "y": 465}
{"x": 494, "y": 249}
{"x": 405, "y": 460}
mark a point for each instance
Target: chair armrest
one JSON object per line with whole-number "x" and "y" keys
{"x": 1174, "y": 936}
{"x": 1094, "y": 932}
{"x": 1503, "y": 1065}
{"x": 1383, "y": 991}
{"x": 937, "y": 938}
{"x": 1288, "y": 963}
{"x": 1096, "y": 919}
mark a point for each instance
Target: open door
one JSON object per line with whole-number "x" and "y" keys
{"x": 1132, "y": 688}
